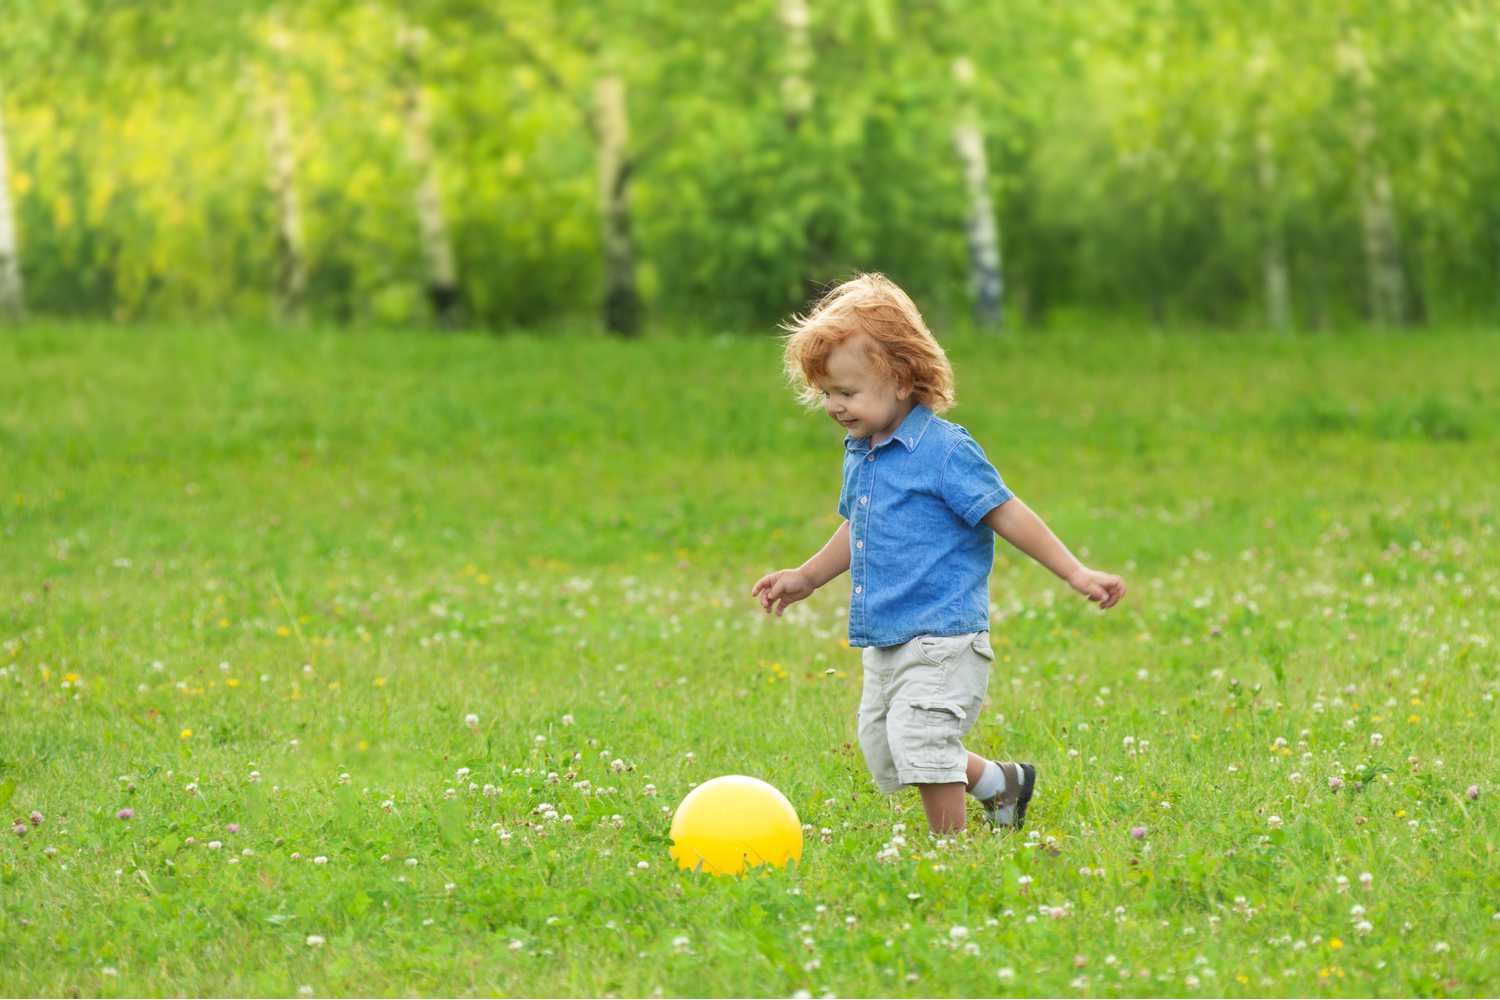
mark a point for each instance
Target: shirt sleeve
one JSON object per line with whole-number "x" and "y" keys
{"x": 969, "y": 485}
{"x": 844, "y": 491}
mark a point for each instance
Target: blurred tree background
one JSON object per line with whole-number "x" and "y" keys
{"x": 536, "y": 162}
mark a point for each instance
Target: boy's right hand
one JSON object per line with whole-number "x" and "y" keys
{"x": 780, "y": 589}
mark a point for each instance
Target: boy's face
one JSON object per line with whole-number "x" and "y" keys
{"x": 865, "y": 402}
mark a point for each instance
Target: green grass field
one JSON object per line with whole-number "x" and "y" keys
{"x": 253, "y": 583}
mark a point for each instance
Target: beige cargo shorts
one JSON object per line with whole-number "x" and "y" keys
{"x": 919, "y": 700}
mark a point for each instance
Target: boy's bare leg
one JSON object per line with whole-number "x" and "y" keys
{"x": 944, "y": 804}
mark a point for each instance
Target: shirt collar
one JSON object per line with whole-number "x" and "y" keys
{"x": 909, "y": 433}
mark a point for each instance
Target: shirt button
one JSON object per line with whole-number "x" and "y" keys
{"x": 864, "y": 499}
{"x": 859, "y": 590}
{"x": 859, "y": 544}
{"x": 871, "y": 458}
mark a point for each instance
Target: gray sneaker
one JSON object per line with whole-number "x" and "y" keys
{"x": 1008, "y": 809}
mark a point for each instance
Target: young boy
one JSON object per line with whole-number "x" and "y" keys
{"x": 919, "y": 503}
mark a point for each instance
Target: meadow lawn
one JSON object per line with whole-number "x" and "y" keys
{"x": 254, "y": 584}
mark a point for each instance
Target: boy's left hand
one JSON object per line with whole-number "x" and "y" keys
{"x": 1105, "y": 588}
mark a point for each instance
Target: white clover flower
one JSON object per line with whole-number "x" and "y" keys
{"x": 471, "y": 720}
{"x": 1274, "y": 822}
{"x": 320, "y": 860}
{"x": 315, "y": 941}
{"x": 958, "y": 933}
{"x": 1366, "y": 879}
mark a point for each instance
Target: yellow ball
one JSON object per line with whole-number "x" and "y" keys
{"x": 732, "y": 823}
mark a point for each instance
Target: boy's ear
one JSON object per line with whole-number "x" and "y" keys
{"x": 903, "y": 390}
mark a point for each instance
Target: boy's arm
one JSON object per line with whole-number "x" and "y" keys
{"x": 788, "y": 586}
{"x": 831, "y": 560}
{"x": 1018, "y": 524}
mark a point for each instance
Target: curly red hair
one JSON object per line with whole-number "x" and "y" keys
{"x": 902, "y": 348}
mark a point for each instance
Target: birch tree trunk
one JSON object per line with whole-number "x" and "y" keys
{"x": 622, "y": 302}
{"x": 983, "y": 233}
{"x": 796, "y": 92}
{"x": 12, "y": 294}
{"x": 291, "y": 262}
{"x": 1273, "y": 246}
{"x": 1382, "y": 246}
{"x": 1388, "y": 295}
{"x": 437, "y": 246}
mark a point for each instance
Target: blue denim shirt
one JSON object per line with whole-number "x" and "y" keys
{"x": 919, "y": 558}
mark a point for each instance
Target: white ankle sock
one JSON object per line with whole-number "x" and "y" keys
{"x": 990, "y": 783}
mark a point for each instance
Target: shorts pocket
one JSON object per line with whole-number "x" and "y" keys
{"x": 939, "y": 649}
{"x": 982, "y": 646}
{"x": 937, "y": 727}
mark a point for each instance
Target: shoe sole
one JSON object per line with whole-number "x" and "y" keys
{"x": 1028, "y": 785}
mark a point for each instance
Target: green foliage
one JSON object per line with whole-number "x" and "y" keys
{"x": 1143, "y": 155}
